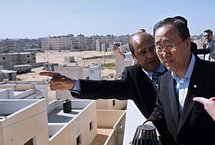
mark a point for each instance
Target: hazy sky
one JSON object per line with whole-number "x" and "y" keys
{"x": 41, "y": 18}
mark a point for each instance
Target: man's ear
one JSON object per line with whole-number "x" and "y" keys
{"x": 188, "y": 42}
{"x": 134, "y": 57}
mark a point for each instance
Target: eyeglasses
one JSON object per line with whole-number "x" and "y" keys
{"x": 167, "y": 47}
{"x": 206, "y": 35}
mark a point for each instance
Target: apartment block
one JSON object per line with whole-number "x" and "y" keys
{"x": 9, "y": 45}
{"x": 81, "y": 42}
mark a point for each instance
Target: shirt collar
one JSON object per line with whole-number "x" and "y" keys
{"x": 211, "y": 41}
{"x": 160, "y": 69}
{"x": 188, "y": 73}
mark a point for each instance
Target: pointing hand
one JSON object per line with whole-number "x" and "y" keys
{"x": 58, "y": 81}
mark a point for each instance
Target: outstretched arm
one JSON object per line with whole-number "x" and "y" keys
{"x": 92, "y": 89}
{"x": 117, "y": 51}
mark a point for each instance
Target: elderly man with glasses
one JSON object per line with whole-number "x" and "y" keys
{"x": 188, "y": 76}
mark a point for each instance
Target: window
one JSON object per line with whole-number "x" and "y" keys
{"x": 78, "y": 140}
{"x": 114, "y": 102}
{"x": 91, "y": 125}
{"x": 10, "y": 76}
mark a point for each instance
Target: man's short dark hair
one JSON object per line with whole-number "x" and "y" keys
{"x": 180, "y": 26}
{"x": 209, "y": 31}
{"x": 181, "y": 19}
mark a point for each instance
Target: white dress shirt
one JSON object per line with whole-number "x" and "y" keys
{"x": 182, "y": 84}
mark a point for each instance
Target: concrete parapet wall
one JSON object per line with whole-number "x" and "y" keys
{"x": 108, "y": 118}
{"x": 6, "y": 93}
{"x": 114, "y": 119}
{"x": 111, "y": 104}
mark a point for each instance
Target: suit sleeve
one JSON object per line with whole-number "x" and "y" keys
{"x": 106, "y": 89}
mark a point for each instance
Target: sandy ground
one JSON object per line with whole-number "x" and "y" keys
{"x": 58, "y": 57}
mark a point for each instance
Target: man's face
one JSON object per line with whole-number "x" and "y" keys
{"x": 208, "y": 37}
{"x": 144, "y": 53}
{"x": 172, "y": 51}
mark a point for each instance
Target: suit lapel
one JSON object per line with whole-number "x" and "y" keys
{"x": 170, "y": 98}
{"x": 173, "y": 101}
{"x": 186, "y": 110}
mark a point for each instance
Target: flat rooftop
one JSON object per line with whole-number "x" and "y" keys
{"x": 58, "y": 116}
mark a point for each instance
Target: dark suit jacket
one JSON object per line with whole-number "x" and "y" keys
{"x": 134, "y": 85}
{"x": 194, "y": 48}
{"x": 195, "y": 126}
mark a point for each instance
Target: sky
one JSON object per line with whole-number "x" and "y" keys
{"x": 43, "y": 18}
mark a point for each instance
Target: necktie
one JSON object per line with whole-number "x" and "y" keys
{"x": 155, "y": 77}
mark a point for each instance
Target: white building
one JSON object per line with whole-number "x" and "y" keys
{"x": 40, "y": 123}
{"x": 23, "y": 122}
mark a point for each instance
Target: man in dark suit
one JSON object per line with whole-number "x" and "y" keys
{"x": 136, "y": 82}
{"x": 187, "y": 121}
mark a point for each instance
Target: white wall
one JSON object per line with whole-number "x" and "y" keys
{"x": 93, "y": 73}
{"x": 109, "y": 104}
{"x": 79, "y": 125}
{"x": 25, "y": 123}
{"x": 6, "y": 93}
{"x": 134, "y": 118}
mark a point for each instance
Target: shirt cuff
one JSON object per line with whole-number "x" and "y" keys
{"x": 77, "y": 87}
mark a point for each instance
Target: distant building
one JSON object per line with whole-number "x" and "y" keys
{"x": 81, "y": 42}
{"x": 8, "y": 45}
{"x": 7, "y": 74}
{"x": 19, "y": 45}
{"x": 14, "y": 60}
{"x": 28, "y": 45}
